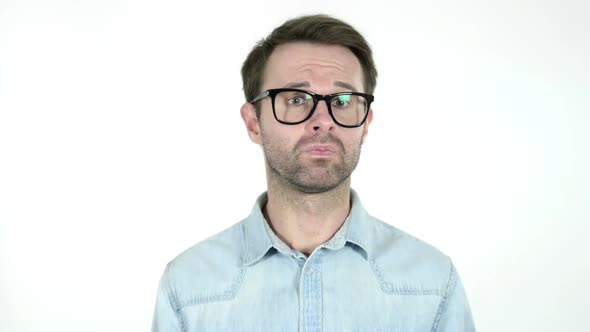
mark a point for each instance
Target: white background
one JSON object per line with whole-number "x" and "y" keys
{"x": 121, "y": 145}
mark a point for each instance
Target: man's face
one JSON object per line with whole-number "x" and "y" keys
{"x": 316, "y": 155}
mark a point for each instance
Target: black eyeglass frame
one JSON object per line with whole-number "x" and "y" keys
{"x": 272, "y": 93}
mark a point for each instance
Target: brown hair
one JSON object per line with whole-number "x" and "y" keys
{"x": 320, "y": 29}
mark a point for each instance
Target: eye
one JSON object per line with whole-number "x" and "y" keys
{"x": 298, "y": 100}
{"x": 341, "y": 101}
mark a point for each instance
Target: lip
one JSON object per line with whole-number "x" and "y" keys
{"x": 321, "y": 150}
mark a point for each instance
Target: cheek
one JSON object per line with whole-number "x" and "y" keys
{"x": 277, "y": 135}
{"x": 353, "y": 140}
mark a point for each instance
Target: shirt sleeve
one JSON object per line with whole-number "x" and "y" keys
{"x": 454, "y": 313}
{"x": 166, "y": 316}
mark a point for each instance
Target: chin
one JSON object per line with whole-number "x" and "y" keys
{"x": 316, "y": 187}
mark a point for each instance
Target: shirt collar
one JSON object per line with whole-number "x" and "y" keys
{"x": 260, "y": 238}
{"x": 257, "y": 240}
{"x": 360, "y": 231}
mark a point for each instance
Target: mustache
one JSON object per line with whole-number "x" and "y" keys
{"x": 319, "y": 139}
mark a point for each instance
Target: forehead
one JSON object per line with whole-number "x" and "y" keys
{"x": 312, "y": 62}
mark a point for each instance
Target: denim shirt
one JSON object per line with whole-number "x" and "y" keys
{"x": 369, "y": 276}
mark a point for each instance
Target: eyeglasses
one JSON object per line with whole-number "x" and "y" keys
{"x": 294, "y": 106}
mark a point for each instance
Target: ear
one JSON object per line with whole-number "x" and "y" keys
{"x": 248, "y": 112}
{"x": 366, "y": 126}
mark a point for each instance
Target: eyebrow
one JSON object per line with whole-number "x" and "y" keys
{"x": 305, "y": 84}
{"x": 346, "y": 86}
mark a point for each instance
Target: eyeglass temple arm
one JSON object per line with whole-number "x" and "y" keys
{"x": 260, "y": 96}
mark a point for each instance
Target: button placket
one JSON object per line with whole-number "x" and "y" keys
{"x": 310, "y": 288}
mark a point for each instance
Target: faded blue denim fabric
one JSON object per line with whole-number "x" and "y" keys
{"x": 369, "y": 276}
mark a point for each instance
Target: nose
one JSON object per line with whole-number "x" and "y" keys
{"x": 321, "y": 119}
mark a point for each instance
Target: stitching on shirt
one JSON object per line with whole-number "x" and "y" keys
{"x": 225, "y": 296}
{"x": 174, "y": 301}
{"x": 246, "y": 244}
{"x": 388, "y": 287}
{"x": 443, "y": 303}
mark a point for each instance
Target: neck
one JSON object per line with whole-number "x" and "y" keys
{"x": 302, "y": 220}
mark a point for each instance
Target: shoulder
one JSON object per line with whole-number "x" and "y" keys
{"x": 211, "y": 270}
{"x": 406, "y": 264}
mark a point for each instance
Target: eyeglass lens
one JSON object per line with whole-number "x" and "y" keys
{"x": 295, "y": 106}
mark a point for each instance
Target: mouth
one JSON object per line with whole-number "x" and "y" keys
{"x": 321, "y": 150}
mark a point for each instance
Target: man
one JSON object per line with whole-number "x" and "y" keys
{"x": 309, "y": 257}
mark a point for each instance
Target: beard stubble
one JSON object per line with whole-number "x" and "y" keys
{"x": 311, "y": 176}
